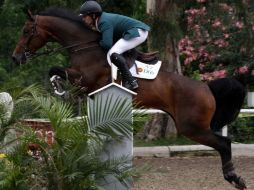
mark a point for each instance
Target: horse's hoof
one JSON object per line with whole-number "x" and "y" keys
{"x": 240, "y": 183}
{"x": 57, "y": 84}
{"x": 236, "y": 181}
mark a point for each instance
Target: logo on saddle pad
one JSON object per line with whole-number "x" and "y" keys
{"x": 141, "y": 70}
{"x": 145, "y": 71}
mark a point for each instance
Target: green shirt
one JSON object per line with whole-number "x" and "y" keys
{"x": 115, "y": 26}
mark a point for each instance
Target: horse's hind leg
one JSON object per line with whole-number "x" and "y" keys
{"x": 227, "y": 164}
{"x": 223, "y": 146}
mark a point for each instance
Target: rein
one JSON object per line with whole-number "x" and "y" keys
{"x": 50, "y": 51}
{"x": 60, "y": 49}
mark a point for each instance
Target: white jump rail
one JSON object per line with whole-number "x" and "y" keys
{"x": 224, "y": 129}
{"x": 247, "y": 111}
{"x": 154, "y": 111}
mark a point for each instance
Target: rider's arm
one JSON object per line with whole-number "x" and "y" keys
{"x": 107, "y": 31}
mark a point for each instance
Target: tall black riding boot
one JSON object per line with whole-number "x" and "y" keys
{"x": 128, "y": 80}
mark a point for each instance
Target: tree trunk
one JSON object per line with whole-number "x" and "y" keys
{"x": 162, "y": 125}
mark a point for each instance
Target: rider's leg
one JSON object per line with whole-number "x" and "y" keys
{"x": 120, "y": 47}
{"x": 128, "y": 80}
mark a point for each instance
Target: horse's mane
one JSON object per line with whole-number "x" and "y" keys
{"x": 63, "y": 13}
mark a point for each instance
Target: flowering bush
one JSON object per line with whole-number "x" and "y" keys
{"x": 219, "y": 39}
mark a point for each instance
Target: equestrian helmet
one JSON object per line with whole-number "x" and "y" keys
{"x": 90, "y": 7}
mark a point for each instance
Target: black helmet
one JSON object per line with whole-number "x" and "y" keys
{"x": 90, "y": 7}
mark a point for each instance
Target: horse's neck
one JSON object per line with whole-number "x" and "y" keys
{"x": 67, "y": 33}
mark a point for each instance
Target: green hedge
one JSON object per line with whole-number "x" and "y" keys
{"x": 242, "y": 130}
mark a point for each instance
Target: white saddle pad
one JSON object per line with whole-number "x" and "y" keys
{"x": 145, "y": 71}
{"x": 142, "y": 70}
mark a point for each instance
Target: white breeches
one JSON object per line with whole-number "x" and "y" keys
{"x": 123, "y": 45}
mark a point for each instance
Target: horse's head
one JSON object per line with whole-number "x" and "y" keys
{"x": 32, "y": 38}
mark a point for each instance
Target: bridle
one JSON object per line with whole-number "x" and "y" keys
{"x": 34, "y": 33}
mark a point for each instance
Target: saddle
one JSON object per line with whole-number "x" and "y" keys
{"x": 149, "y": 58}
{"x": 140, "y": 64}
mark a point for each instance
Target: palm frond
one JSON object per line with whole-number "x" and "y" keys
{"x": 56, "y": 111}
{"x": 111, "y": 117}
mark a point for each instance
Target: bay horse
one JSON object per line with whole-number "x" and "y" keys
{"x": 199, "y": 110}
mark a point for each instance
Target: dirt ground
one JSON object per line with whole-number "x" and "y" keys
{"x": 191, "y": 173}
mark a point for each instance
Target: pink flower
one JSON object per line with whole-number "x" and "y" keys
{"x": 239, "y": 24}
{"x": 201, "y": 1}
{"x": 196, "y": 27}
{"x": 226, "y": 36}
{"x": 217, "y": 23}
{"x": 201, "y": 66}
{"x": 207, "y": 35}
{"x": 243, "y": 49}
{"x": 243, "y": 69}
{"x": 219, "y": 73}
{"x": 211, "y": 76}
{"x": 193, "y": 11}
{"x": 226, "y": 7}
{"x": 190, "y": 20}
{"x": 206, "y": 77}
{"x": 188, "y": 60}
{"x": 185, "y": 44}
{"x": 221, "y": 43}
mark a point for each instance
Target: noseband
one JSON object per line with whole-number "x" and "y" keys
{"x": 28, "y": 53}
{"x": 34, "y": 33}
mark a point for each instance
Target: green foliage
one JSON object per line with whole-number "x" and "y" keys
{"x": 220, "y": 35}
{"x": 180, "y": 140}
{"x": 73, "y": 161}
{"x": 12, "y": 19}
{"x": 135, "y": 8}
{"x": 139, "y": 120}
{"x": 162, "y": 26}
{"x": 242, "y": 130}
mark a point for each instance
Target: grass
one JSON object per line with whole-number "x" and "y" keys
{"x": 163, "y": 142}
{"x": 181, "y": 140}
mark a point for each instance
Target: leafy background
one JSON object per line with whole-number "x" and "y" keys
{"x": 228, "y": 49}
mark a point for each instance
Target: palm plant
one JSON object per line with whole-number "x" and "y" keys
{"x": 73, "y": 160}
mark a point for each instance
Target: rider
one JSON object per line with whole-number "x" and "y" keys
{"x": 119, "y": 34}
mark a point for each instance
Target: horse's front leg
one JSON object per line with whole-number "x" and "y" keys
{"x": 59, "y": 75}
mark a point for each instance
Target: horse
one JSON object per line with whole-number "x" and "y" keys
{"x": 198, "y": 109}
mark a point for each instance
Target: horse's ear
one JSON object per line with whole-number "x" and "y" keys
{"x": 29, "y": 15}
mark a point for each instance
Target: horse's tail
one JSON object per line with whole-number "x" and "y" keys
{"x": 229, "y": 94}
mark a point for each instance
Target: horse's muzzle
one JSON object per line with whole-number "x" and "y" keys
{"x": 19, "y": 58}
